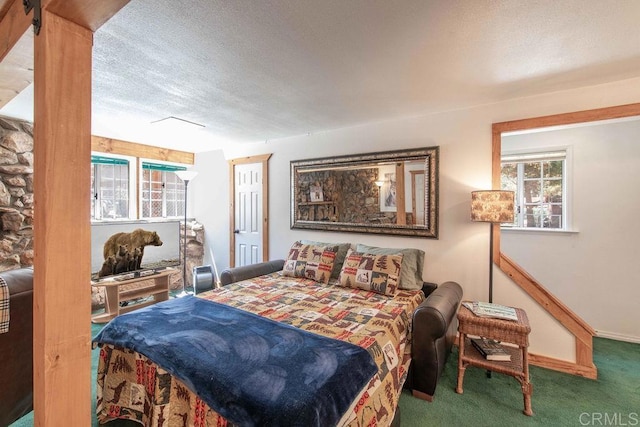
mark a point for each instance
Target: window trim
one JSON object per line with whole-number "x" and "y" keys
{"x": 163, "y": 167}
{"x": 110, "y": 161}
{"x": 104, "y": 160}
{"x": 135, "y": 168}
{"x": 542, "y": 154}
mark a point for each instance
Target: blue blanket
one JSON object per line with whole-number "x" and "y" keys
{"x": 250, "y": 369}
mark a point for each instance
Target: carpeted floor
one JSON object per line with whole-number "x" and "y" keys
{"x": 558, "y": 399}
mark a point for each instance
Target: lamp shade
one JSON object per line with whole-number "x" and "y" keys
{"x": 492, "y": 206}
{"x": 186, "y": 176}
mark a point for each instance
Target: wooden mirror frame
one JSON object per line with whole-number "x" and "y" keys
{"x": 582, "y": 332}
{"x": 430, "y": 156}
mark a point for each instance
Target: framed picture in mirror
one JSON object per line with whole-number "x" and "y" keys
{"x": 315, "y": 193}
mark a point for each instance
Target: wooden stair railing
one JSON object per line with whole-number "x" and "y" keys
{"x": 583, "y": 333}
{"x": 581, "y": 330}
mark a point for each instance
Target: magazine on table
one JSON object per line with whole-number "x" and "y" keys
{"x": 488, "y": 309}
{"x": 491, "y": 350}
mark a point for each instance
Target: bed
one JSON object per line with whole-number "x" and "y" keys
{"x": 131, "y": 385}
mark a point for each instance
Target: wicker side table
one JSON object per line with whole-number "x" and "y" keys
{"x": 507, "y": 331}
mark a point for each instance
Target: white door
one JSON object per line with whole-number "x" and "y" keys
{"x": 248, "y": 214}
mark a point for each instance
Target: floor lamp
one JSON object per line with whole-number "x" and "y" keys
{"x": 185, "y": 176}
{"x": 494, "y": 207}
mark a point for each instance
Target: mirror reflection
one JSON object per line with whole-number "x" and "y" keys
{"x": 386, "y": 193}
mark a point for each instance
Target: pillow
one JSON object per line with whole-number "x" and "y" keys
{"x": 412, "y": 264}
{"x": 310, "y": 261}
{"x": 340, "y": 254}
{"x": 377, "y": 273}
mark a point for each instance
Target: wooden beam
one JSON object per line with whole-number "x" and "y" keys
{"x": 4, "y": 7}
{"x": 16, "y": 70}
{"x": 62, "y": 233}
{"x": 87, "y": 14}
{"x": 496, "y": 150}
{"x": 16, "y": 36}
{"x": 569, "y": 319}
{"x": 13, "y": 25}
{"x": 574, "y": 117}
{"x": 587, "y": 370}
{"x": 134, "y": 149}
{"x": 401, "y": 204}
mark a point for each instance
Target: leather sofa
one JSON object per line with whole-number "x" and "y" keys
{"x": 237, "y": 274}
{"x": 16, "y": 348}
{"x": 434, "y": 326}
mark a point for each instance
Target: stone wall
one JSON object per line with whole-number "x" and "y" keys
{"x": 318, "y": 211}
{"x": 348, "y": 196}
{"x": 16, "y": 194}
{"x": 16, "y": 208}
{"x": 195, "y": 251}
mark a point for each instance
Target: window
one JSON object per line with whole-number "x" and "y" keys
{"x": 539, "y": 183}
{"x": 162, "y": 191}
{"x": 109, "y": 188}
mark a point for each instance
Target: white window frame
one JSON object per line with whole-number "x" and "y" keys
{"x": 97, "y": 163}
{"x": 544, "y": 154}
{"x": 164, "y": 168}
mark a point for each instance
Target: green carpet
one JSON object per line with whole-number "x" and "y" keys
{"x": 558, "y": 399}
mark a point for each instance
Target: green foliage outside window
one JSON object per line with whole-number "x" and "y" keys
{"x": 539, "y": 188}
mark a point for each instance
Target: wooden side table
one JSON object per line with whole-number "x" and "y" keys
{"x": 506, "y": 331}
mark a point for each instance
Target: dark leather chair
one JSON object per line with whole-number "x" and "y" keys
{"x": 16, "y": 348}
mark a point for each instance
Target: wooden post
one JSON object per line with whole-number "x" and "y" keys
{"x": 13, "y": 25}
{"x": 401, "y": 206}
{"x": 62, "y": 233}
{"x": 62, "y": 149}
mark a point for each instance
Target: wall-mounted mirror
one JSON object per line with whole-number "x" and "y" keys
{"x": 392, "y": 192}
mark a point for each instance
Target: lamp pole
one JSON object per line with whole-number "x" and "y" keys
{"x": 185, "y": 176}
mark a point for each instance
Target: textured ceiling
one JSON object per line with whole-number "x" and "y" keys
{"x": 261, "y": 70}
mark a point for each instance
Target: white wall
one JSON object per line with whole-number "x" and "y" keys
{"x": 209, "y": 204}
{"x": 594, "y": 271}
{"x": 464, "y": 136}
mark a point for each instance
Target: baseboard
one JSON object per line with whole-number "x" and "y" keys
{"x": 618, "y": 337}
{"x": 565, "y": 366}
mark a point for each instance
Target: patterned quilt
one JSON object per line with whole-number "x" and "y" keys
{"x": 131, "y": 386}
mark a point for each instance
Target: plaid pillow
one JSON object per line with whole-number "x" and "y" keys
{"x": 377, "y": 273}
{"x": 4, "y": 306}
{"x": 310, "y": 261}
